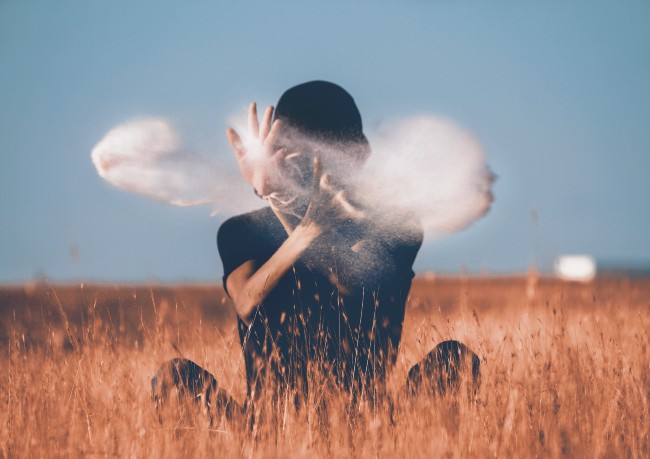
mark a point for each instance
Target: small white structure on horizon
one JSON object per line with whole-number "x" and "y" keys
{"x": 581, "y": 268}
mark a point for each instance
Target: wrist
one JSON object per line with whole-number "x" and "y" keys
{"x": 308, "y": 232}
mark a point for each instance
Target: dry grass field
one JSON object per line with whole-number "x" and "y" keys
{"x": 565, "y": 372}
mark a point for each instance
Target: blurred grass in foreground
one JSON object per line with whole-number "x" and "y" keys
{"x": 565, "y": 372}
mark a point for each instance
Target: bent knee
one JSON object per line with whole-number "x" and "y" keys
{"x": 444, "y": 369}
{"x": 183, "y": 375}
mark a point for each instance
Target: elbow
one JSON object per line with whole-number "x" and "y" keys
{"x": 244, "y": 294}
{"x": 244, "y": 317}
{"x": 244, "y": 305}
{"x": 245, "y": 311}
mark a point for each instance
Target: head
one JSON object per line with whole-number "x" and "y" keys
{"x": 321, "y": 119}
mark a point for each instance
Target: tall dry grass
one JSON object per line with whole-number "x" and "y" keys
{"x": 565, "y": 372}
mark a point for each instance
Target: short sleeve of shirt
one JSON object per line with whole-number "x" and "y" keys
{"x": 237, "y": 244}
{"x": 252, "y": 236}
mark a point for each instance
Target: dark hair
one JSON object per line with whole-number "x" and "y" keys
{"x": 326, "y": 112}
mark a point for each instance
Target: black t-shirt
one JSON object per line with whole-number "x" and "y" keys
{"x": 341, "y": 306}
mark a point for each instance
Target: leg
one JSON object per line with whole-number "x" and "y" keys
{"x": 191, "y": 382}
{"x": 443, "y": 369}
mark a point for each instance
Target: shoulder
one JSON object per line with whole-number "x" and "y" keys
{"x": 400, "y": 229}
{"x": 259, "y": 216}
{"x": 250, "y": 236}
{"x": 257, "y": 221}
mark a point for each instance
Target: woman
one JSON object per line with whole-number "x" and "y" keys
{"x": 319, "y": 282}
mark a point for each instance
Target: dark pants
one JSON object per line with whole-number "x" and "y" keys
{"x": 439, "y": 373}
{"x": 185, "y": 380}
{"x": 443, "y": 370}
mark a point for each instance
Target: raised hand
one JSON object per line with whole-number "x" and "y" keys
{"x": 255, "y": 151}
{"x": 329, "y": 204}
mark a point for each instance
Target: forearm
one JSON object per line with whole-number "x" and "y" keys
{"x": 255, "y": 288}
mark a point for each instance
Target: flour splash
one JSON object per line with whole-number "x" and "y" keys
{"x": 431, "y": 168}
{"x": 426, "y": 166}
{"x": 146, "y": 157}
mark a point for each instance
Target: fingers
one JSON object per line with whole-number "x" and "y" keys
{"x": 313, "y": 202}
{"x": 272, "y": 137}
{"x": 265, "y": 127}
{"x": 293, "y": 155}
{"x": 351, "y": 211}
{"x": 329, "y": 203}
{"x": 235, "y": 142}
{"x": 326, "y": 182}
{"x": 279, "y": 155}
{"x": 318, "y": 172}
{"x": 253, "y": 123}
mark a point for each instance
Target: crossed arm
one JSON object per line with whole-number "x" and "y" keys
{"x": 249, "y": 284}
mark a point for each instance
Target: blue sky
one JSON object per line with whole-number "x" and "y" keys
{"x": 558, "y": 93}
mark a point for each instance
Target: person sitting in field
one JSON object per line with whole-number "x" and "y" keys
{"x": 318, "y": 282}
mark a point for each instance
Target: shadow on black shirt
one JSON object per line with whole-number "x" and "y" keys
{"x": 340, "y": 308}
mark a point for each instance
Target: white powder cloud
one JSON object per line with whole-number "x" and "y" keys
{"x": 432, "y": 168}
{"x": 146, "y": 157}
{"x": 427, "y": 166}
